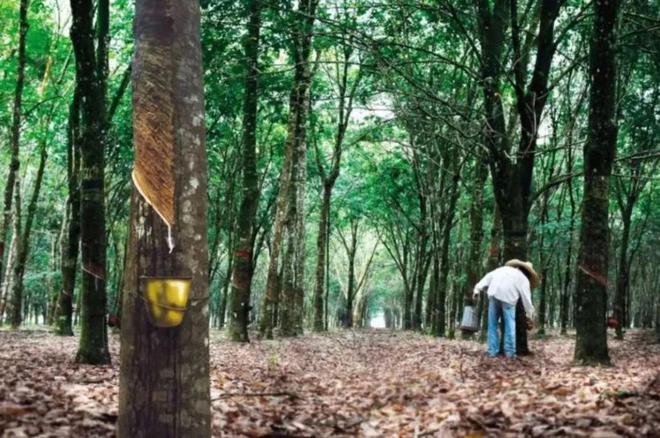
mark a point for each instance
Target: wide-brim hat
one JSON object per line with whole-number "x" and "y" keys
{"x": 534, "y": 277}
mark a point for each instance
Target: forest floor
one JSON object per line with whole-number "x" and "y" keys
{"x": 369, "y": 383}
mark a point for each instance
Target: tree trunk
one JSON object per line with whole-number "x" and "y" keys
{"x": 93, "y": 346}
{"x": 513, "y": 181}
{"x": 290, "y": 186}
{"x": 439, "y": 328}
{"x": 52, "y": 286}
{"x": 15, "y": 311}
{"x": 23, "y": 244}
{"x": 565, "y": 292}
{"x": 599, "y": 152}
{"x": 408, "y": 295}
{"x": 434, "y": 293}
{"x": 287, "y": 297}
{"x": 321, "y": 244}
{"x": 657, "y": 320}
{"x": 344, "y": 110}
{"x": 299, "y": 232}
{"x": 350, "y": 290}
{"x": 242, "y": 266}
{"x": 14, "y": 162}
{"x": 327, "y": 276}
{"x": 494, "y": 260}
{"x": 70, "y": 244}
{"x": 8, "y": 280}
{"x": 474, "y": 263}
{"x": 271, "y": 297}
{"x": 621, "y": 292}
{"x": 544, "y": 261}
{"x": 164, "y": 376}
{"x": 421, "y": 263}
{"x": 224, "y": 293}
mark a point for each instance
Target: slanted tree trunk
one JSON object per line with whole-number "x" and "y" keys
{"x": 241, "y": 278}
{"x": 14, "y": 162}
{"x": 164, "y": 376}
{"x": 599, "y": 152}
{"x": 93, "y": 346}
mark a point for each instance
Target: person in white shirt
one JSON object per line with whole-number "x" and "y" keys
{"x": 504, "y": 286}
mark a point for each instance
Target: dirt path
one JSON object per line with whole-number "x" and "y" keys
{"x": 362, "y": 383}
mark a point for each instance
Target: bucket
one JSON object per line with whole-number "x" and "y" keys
{"x": 470, "y": 322}
{"x": 166, "y": 299}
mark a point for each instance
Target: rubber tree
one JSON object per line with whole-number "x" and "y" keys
{"x": 512, "y": 180}
{"x": 346, "y": 90}
{"x": 599, "y": 151}
{"x": 14, "y": 163}
{"x": 242, "y": 267}
{"x": 91, "y": 72}
{"x": 164, "y": 374}
{"x": 289, "y": 214}
{"x": 23, "y": 238}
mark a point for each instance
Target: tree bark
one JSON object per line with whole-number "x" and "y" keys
{"x": 7, "y": 282}
{"x": 93, "y": 346}
{"x": 344, "y": 110}
{"x": 440, "y": 321}
{"x": 224, "y": 293}
{"x": 512, "y": 182}
{"x": 565, "y": 292}
{"x": 321, "y": 244}
{"x": 23, "y": 244}
{"x": 351, "y": 288}
{"x": 291, "y": 188}
{"x": 474, "y": 263}
{"x": 421, "y": 264}
{"x": 544, "y": 262}
{"x": 599, "y": 152}
{"x": 70, "y": 244}
{"x": 164, "y": 375}
{"x": 14, "y": 162}
{"x": 242, "y": 266}
{"x": 494, "y": 260}
{"x": 626, "y": 200}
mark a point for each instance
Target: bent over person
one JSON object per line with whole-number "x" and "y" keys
{"x": 504, "y": 286}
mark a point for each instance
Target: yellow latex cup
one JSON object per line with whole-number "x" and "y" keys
{"x": 167, "y": 300}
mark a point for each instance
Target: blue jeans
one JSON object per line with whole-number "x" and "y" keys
{"x": 499, "y": 309}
